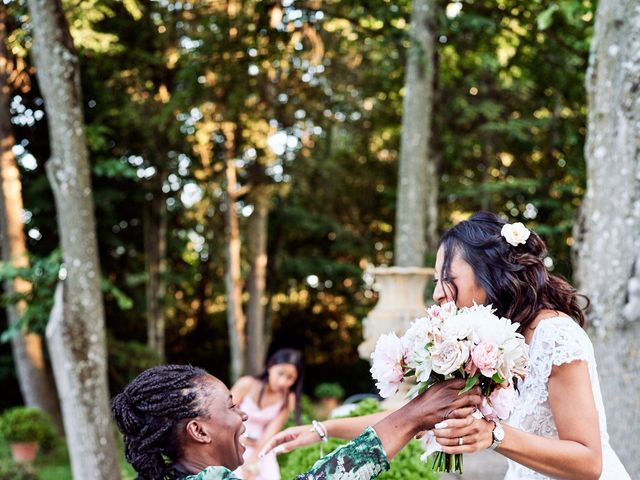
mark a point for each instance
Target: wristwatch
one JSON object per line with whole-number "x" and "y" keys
{"x": 498, "y": 435}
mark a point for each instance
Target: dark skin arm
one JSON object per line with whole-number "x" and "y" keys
{"x": 394, "y": 429}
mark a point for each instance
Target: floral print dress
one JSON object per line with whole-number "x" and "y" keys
{"x": 361, "y": 459}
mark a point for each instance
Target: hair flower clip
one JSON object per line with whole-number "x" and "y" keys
{"x": 515, "y": 233}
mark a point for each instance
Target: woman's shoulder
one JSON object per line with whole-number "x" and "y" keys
{"x": 244, "y": 385}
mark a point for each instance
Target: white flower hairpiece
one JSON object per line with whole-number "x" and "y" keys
{"x": 515, "y": 233}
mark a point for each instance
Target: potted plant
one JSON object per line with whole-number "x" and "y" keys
{"x": 26, "y": 428}
{"x": 329, "y": 394}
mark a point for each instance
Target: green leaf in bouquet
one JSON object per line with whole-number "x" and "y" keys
{"x": 418, "y": 389}
{"x": 497, "y": 378}
{"x": 471, "y": 382}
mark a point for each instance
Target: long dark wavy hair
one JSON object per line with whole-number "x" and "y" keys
{"x": 293, "y": 357}
{"x": 516, "y": 281}
{"x": 149, "y": 413}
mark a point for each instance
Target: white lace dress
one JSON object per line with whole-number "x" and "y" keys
{"x": 557, "y": 341}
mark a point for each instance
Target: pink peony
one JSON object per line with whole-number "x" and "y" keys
{"x": 503, "y": 400}
{"x": 485, "y": 356}
{"x": 386, "y": 364}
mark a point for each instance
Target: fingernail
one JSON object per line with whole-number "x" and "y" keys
{"x": 441, "y": 425}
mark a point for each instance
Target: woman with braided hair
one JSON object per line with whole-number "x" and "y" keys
{"x": 181, "y": 423}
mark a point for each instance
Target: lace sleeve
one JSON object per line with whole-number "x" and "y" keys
{"x": 566, "y": 341}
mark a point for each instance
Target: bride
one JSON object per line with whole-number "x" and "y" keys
{"x": 558, "y": 428}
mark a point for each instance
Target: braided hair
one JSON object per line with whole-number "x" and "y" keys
{"x": 515, "y": 279}
{"x": 148, "y": 413}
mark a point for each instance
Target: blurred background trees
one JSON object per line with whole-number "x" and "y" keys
{"x": 249, "y": 151}
{"x": 302, "y": 101}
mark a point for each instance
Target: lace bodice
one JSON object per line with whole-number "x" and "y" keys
{"x": 557, "y": 341}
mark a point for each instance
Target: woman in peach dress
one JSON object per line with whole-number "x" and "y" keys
{"x": 268, "y": 399}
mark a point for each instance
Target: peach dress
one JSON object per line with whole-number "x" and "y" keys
{"x": 258, "y": 421}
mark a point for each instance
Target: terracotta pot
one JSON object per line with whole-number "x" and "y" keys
{"x": 329, "y": 403}
{"x": 24, "y": 451}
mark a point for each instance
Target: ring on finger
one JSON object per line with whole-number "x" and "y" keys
{"x": 460, "y": 441}
{"x": 446, "y": 415}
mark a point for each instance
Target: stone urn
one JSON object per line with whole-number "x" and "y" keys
{"x": 400, "y": 300}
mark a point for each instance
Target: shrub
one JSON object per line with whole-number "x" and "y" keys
{"x": 17, "y": 471}
{"x": 329, "y": 390}
{"x": 27, "y": 424}
{"x": 127, "y": 359}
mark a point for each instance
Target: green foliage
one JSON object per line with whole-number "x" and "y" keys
{"x": 329, "y": 390}
{"x": 127, "y": 359}
{"x": 17, "y": 471}
{"x": 27, "y": 424}
{"x": 42, "y": 275}
{"x": 366, "y": 407}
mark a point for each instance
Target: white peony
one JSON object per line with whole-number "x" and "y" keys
{"x": 386, "y": 364}
{"x": 515, "y": 233}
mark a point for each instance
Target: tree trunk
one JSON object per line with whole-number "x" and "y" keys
{"x": 607, "y": 244}
{"x": 417, "y": 179}
{"x": 34, "y": 378}
{"x": 257, "y": 280}
{"x": 76, "y": 331}
{"x": 155, "y": 239}
{"x": 233, "y": 280}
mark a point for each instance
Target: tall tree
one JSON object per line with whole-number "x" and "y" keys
{"x": 76, "y": 331}
{"x": 236, "y": 319}
{"x": 416, "y": 208}
{"x": 257, "y": 279}
{"x": 36, "y": 383}
{"x": 608, "y": 246}
{"x": 155, "y": 241}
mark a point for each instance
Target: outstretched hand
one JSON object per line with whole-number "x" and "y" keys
{"x": 290, "y": 439}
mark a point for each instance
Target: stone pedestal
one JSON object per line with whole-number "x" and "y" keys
{"x": 400, "y": 300}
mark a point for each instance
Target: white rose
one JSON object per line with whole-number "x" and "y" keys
{"x": 515, "y": 233}
{"x": 449, "y": 355}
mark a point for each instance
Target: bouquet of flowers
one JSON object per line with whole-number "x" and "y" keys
{"x": 471, "y": 343}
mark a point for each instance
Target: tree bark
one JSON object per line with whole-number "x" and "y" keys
{"x": 257, "y": 280}
{"x": 76, "y": 331}
{"x": 417, "y": 177}
{"x": 233, "y": 280}
{"x": 34, "y": 377}
{"x": 155, "y": 239}
{"x": 607, "y": 244}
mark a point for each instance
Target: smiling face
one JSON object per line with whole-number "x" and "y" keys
{"x": 214, "y": 437}
{"x": 282, "y": 377}
{"x": 461, "y": 275}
